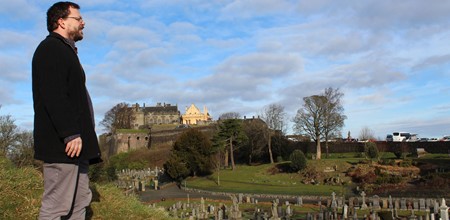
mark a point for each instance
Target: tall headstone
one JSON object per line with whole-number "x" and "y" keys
{"x": 364, "y": 205}
{"x": 202, "y": 205}
{"x": 274, "y": 210}
{"x": 390, "y": 205}
{"x": 443, "y": 210}
{"x": 299, "y": 201}
{"x": 436, "y": 207}
{"x": 344, "y": 211}
{"x": 288, "y": 211}
{"x": 333, "y": 201}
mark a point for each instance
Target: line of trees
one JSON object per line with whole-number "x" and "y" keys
{"x": 15, "y": 144}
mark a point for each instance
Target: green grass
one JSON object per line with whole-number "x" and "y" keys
{"x": 21, "y": 190}
{"x": 266, "y": 178}
{"x": 261, "y": 180}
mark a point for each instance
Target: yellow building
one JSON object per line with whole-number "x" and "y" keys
{"x": 194, "y": 116}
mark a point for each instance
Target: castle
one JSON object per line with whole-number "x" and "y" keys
{"x": 167, "y": 114}
{"x": 194, "y": 116}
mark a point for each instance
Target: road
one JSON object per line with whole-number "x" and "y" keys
{"x": 173, "y": 192}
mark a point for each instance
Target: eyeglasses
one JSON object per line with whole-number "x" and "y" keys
{"x": 79, "y": 19}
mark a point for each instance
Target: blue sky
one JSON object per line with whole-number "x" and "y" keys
{"x": 391, "y": 59}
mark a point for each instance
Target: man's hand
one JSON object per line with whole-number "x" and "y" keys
{"x": 73, "y": 147}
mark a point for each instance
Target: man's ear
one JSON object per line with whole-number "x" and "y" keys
{"x": 62, "y": 23}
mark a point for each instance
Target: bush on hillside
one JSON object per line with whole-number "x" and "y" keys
{"x": 176, "y": 168}
{"x": 298, "y": 160}
{"x": 371, "y": 150}
{"x": 194, "y": 150}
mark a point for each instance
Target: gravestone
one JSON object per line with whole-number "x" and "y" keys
{"x": 280, "y": 211}
{"x": 333, "y": 201}
{"x": 391, "y": 205}
{"x": 376, "y": 203}
{"x": 299, "y": 201}
{"x": 351, "y": 203}
{"x": 344, "y": 211}
{"x": 422, "y": 205}
{"x": 274, "y": 210}
{"x": 341, "y": 202}
{"x": 403, "y": 204}
{"x": 385, "y": 203}
{"x": 416, "y": 205}
{"x": 288, "y": 210}
{"x": 436, "y": 207}
{"x": 443, "y": 210}
{"x": 364, "y": 205}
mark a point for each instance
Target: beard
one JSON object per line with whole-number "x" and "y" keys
{"x": 76, "y": 34}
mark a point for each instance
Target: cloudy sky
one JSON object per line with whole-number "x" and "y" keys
{"x": 391, "y": 59}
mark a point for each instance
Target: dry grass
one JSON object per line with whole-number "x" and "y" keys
{"x": 21, "y": 191}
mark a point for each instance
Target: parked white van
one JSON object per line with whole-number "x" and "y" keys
{"x": 400, "y": 136}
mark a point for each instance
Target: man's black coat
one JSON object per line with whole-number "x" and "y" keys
{"x": 62, "y": 105}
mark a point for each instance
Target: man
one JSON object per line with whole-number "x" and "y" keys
{"x": 64, "y": 132}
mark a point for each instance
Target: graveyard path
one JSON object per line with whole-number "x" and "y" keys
{"x": 173, "y": 192}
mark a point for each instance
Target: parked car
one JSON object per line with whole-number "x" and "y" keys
{"x": 432, "y": 139}
{"x": 446, "y": 138}
{"x": 424, "y": 139}
{"x": 401, "y": 136}
{"x": 389, "y": 138}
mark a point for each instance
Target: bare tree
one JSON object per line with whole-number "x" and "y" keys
{"x": 334, "y": 115}
{"x": 230, "y": 115}
{"x": 274, "y": 116}
{"x": 118, "y": 117}
{"x": 366, "y": 134}
{"x": 321, "y": 117}
{"x": 309, "y": 119}
{"x": 256, "y": 131}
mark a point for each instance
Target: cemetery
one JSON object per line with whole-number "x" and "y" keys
{"x": 336, "y": 203}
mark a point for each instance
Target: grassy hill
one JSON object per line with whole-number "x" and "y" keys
{"x": 270, "y": 179}
{"x": 21, "y": 191}
{"x": 341, "y": 174}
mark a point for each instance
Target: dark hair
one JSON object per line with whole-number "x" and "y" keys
{"x": 57, "y": 11}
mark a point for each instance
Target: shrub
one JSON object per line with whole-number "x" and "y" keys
{"x": 389, "y": 162}
{"x": 388, "y": 179}
{"x": 371, "y": 150}
{"x": 298, "y": 160}
{"x": 405, "y": 163}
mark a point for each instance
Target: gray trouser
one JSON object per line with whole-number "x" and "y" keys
{"x": 66, "y": 191}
